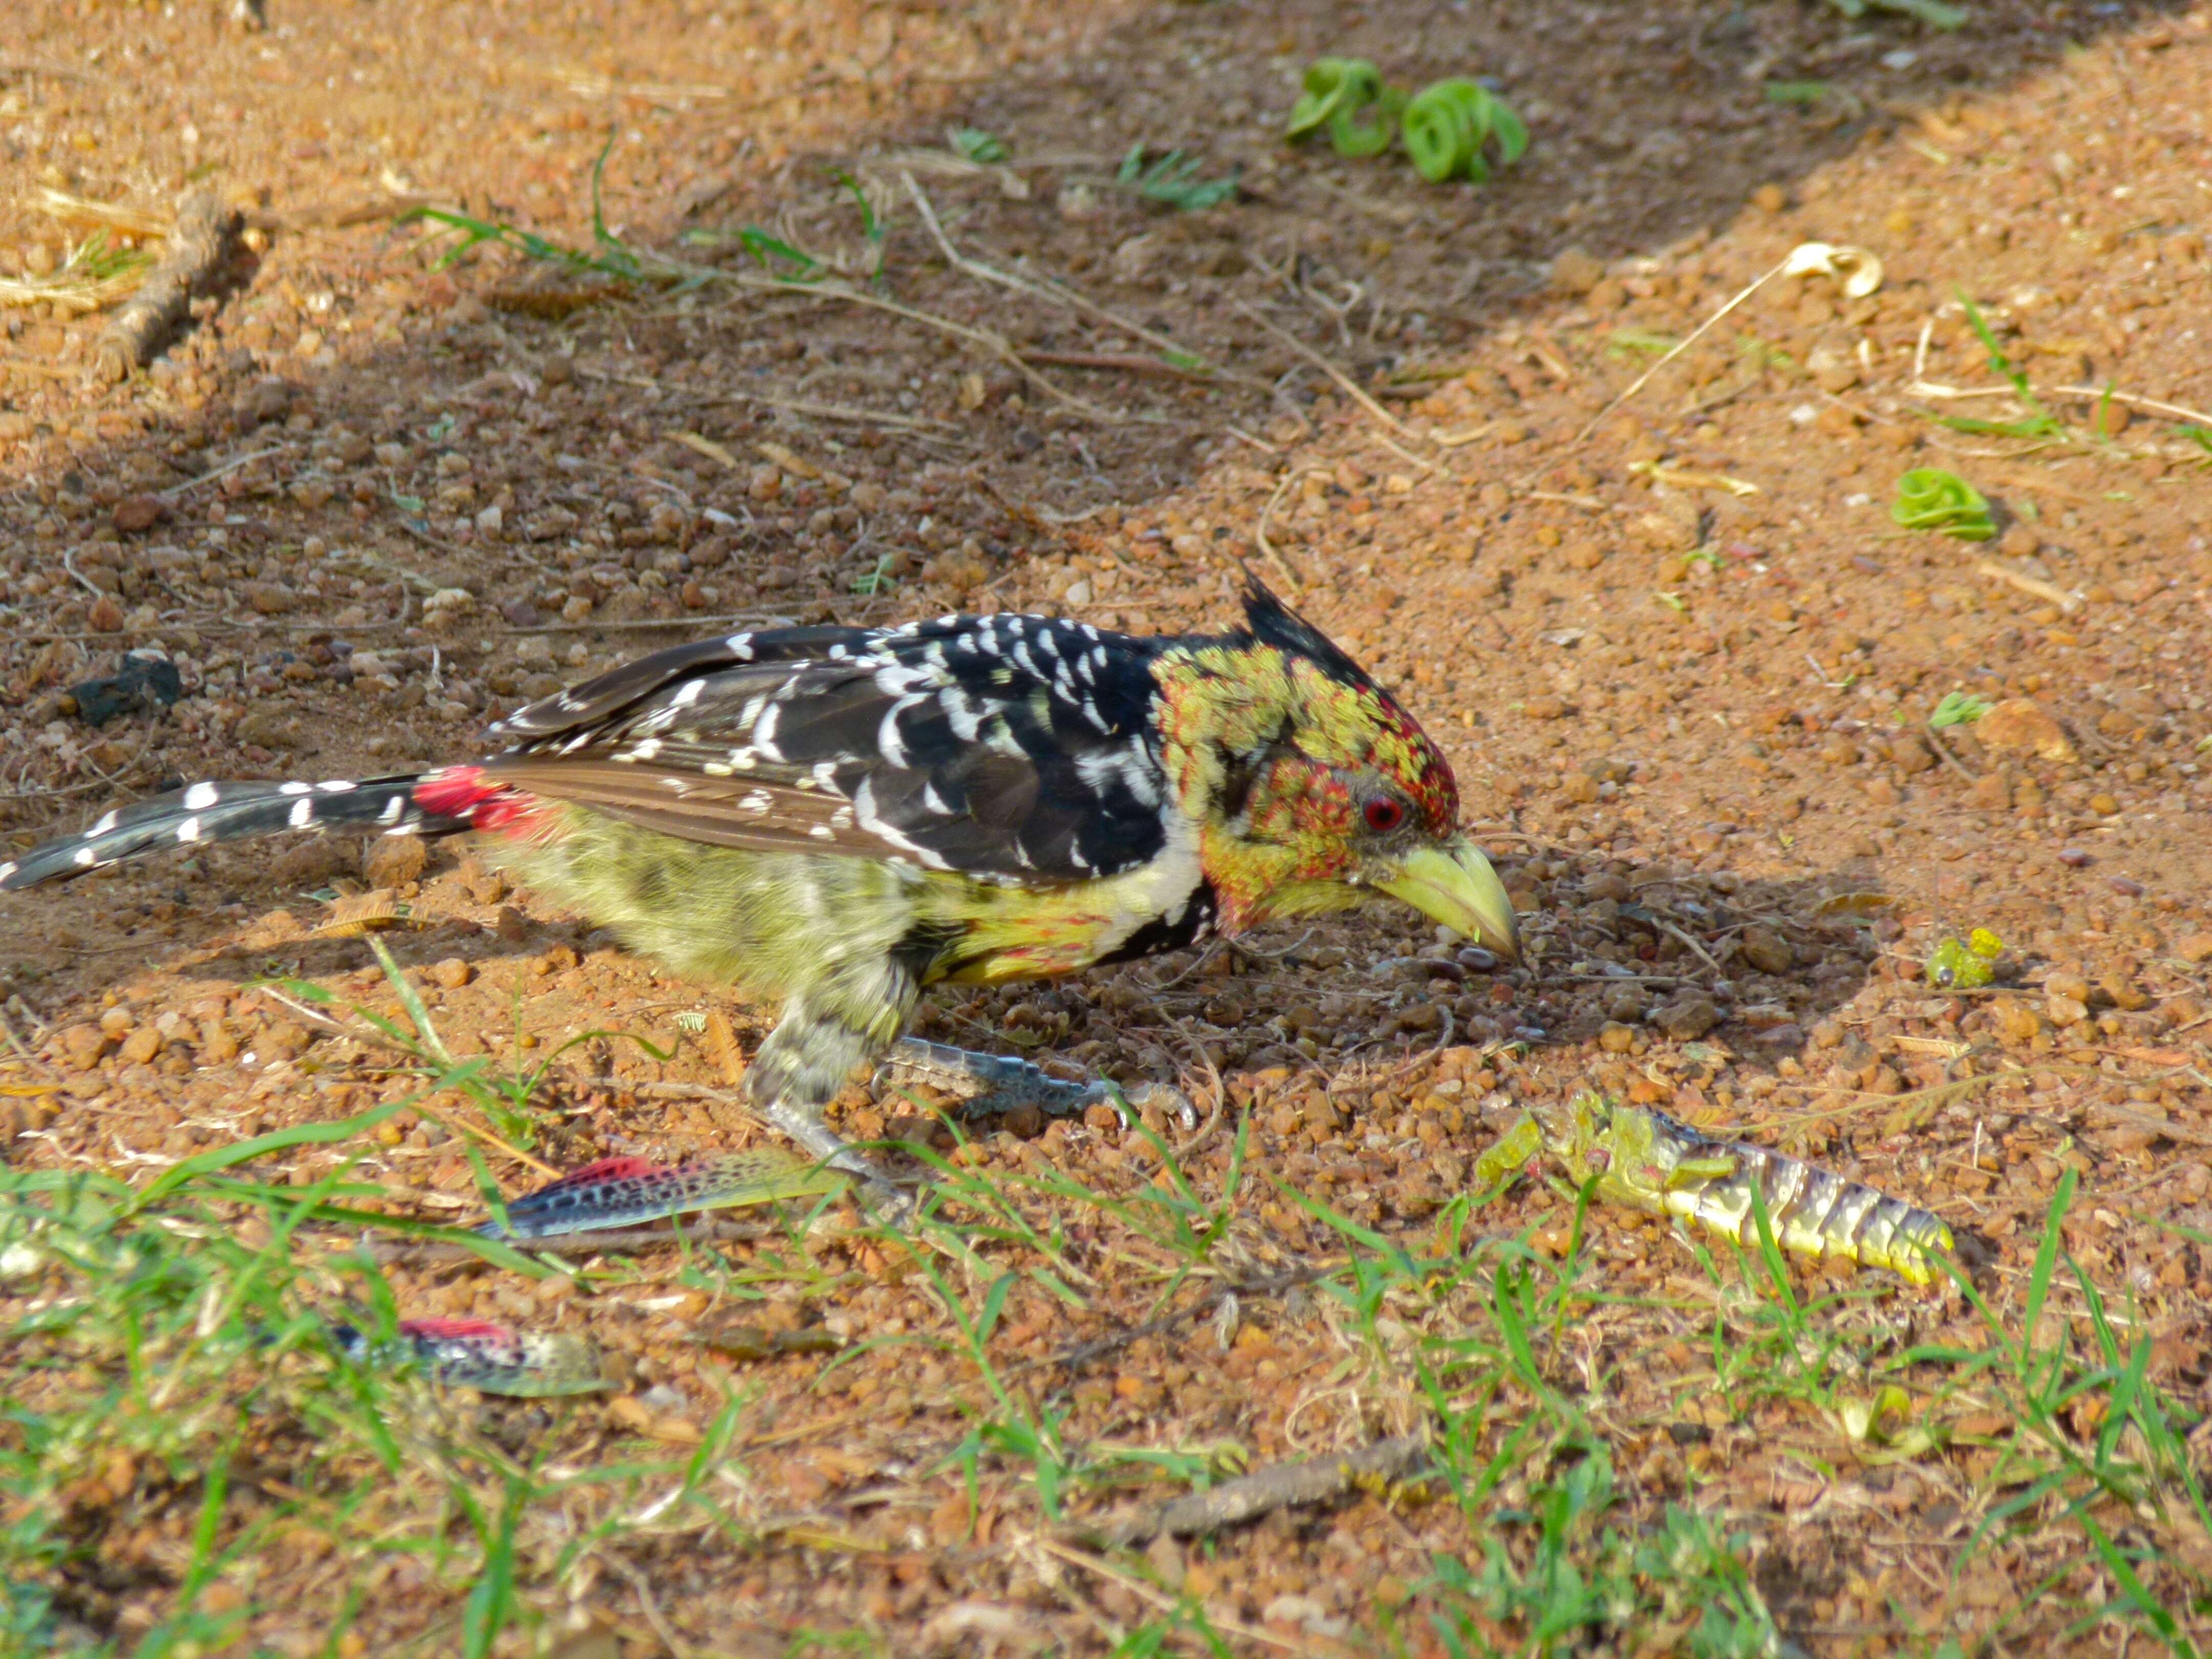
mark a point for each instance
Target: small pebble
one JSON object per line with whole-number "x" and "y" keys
{"x": 1687, "y": 1020}
{"x": 1767, "y": 951}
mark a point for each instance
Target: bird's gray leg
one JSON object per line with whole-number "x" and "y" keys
{"x": 800, "y": 1070}
{"x": 995, "y": 1085}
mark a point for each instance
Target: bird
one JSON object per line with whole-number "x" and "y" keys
{"x": 845, "y": 816}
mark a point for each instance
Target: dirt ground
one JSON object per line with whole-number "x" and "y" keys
{"x": 1683, "y": 660}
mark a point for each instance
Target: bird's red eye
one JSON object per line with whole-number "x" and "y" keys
{"x": 1384, "y": 815}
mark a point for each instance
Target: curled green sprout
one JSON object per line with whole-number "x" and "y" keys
{"x": 1337, "y": 90}
{"x": 1928, "y": 498}
{"x": 1450, "y": 126}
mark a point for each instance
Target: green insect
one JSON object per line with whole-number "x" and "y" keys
{"x": 1645, "y": 1160}
{"x": 1953, "y": 966}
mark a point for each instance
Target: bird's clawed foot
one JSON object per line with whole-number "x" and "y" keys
{"x": 995, "y": 1085}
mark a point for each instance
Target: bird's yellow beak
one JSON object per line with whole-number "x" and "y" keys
{"x": 1455, "y": 884}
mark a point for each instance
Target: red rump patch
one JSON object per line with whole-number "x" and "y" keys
{"x": 463, "y": 792}
{"x": 449, "y": 1330}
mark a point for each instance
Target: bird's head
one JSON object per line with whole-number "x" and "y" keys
{"x": 1310, "y": 785}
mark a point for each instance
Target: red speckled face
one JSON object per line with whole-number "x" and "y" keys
{"x": 1310, "y": 787}
{"x": 1368, "y": 781}
{"x": 1410, "y": 769}
{"x": 1305, "y": 775}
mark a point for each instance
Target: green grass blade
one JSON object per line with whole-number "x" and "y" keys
{"x": 245, "y": 1152}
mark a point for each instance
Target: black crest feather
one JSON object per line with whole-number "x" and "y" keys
{"x": 1273, "y": 622}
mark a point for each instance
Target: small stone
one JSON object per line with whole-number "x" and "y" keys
{"x": 2020, "y": 725}
{"x": 1166, "y": 1558}
{"x": 2104, "y": 806}
{"x": 82, "y": 1045}
{"x": 1579, "y": 788}
{"x": 1992, "y": 793}
{"x": 2017, "y": 1022}
{"x": 105, "y": 616}
{"x": 141, "y": 1046}
{"x": 1616, "y": 1038}
{"x": 1767, "y": 951}
{"x": 1910, "y": 753}
{"x": 394, "y": 860}
{"x": 1832, "y": 368}
{"x": 143, "y": 682}
{"x": 453, "y": 973}
{"x": 2127, "y": 997}
{"x": 2196, "y": 948}
{"x": 1666, "y": 533}
{"x": 1574, "y": 271}
{"x": 2064, "y": 1010}
{"x": 216, "y": 1044}
{"x": 265, "y": 727}
{"x": 1687, "y": 1020}
{"x": 136, "y": 513}
{"x": 1770, "y": 198}
{"x": 2073, "y": 987}
{"x": 1625, "y": 1006}
{"x": 270, "y": 599}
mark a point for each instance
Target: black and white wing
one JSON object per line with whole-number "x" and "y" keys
{"x": 1016, "y": 747}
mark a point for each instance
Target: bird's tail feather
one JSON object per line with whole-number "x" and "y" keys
{"x": 227, "y": 812}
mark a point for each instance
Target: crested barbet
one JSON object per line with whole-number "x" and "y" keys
{"x": 844, "y": 817}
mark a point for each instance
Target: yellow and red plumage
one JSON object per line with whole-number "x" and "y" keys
{"x": 844, "y": 816}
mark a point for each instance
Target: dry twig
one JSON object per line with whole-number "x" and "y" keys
{"x": 1252, "y": 1496}
{"x": 1352, "y": 388}
{"x": 1950, "y": 760}
{"x": 1050, "y": 292}
{"x": 2033, "y": 585}
{"x": 138, "y": 332}
{"x": 1681, "y": 346}
{"x": 1266, "y": 547}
